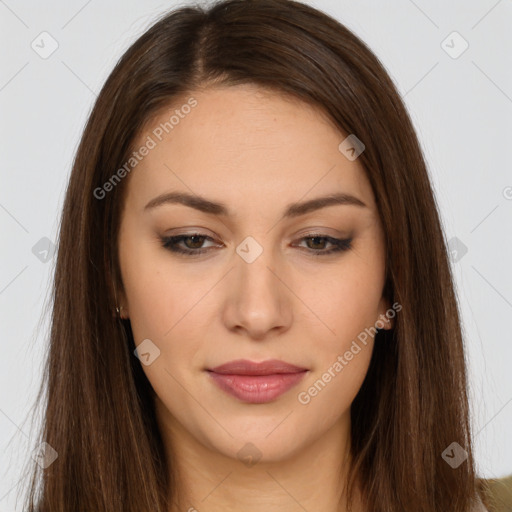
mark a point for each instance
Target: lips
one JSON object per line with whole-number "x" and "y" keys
{"x": 252, "y": 382}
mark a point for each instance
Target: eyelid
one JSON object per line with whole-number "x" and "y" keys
{"x": 309, "y": 232}
{"x": 339, "y": 245}
{"x": 319, "y": 231}
{"x": 189, "y": 231}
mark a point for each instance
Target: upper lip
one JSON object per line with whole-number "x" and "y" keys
{"x": 245, "y": 367}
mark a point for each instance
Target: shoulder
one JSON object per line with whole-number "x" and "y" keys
{"x": 496, "y": 493}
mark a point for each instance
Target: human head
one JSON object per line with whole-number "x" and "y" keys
{"x": 265, "y": 286}
{"x": 317, "y": 61}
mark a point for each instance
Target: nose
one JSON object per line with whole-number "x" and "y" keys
{"x": 258, "y": 303}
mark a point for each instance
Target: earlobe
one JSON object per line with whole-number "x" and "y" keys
{"x": 122, "y": 307}
{"x": 122, "y": 312}
{"x": 385, "y": 321}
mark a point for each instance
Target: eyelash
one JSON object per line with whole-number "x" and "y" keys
{"x": 171, "y": 244}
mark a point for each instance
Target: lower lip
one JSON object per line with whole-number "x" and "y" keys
{"x": 257, "y": 389}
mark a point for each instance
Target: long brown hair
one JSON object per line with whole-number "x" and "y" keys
{"x": 98, "y": 410}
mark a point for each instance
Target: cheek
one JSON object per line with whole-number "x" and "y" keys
{"x": 347, "y": 307}
{"x": 164, "y": 306}
{"x": 344, "y": 298}
{"x": 150, "y": 300}
{"x": 160, "y": 311}
{"x": 149, "y": 294}
{"x": 331, "y": 391}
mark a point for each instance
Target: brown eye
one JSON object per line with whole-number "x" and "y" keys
{"x": 192, "y": 243}
{"x": 316, "y": 244}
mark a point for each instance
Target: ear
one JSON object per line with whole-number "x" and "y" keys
{"x": 121, "y": 301}
{"x": 123, "y": 304}
{"x": 386, "y": 315}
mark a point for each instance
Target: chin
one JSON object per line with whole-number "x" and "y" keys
{"x": 264, "y": 441}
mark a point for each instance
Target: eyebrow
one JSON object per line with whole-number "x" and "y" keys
{"x": 217, "y": 208}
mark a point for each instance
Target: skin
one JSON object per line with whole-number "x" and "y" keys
{"x": 256, "y": 152}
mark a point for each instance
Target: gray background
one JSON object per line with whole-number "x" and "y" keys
{"x": 461, "y": 106}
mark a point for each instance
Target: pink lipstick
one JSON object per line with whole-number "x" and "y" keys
{"x": 256, "y": 383}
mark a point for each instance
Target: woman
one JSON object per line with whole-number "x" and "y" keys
{"x": 253, "y": 304}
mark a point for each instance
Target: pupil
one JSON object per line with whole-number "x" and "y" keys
{"x": 316, "y": 238}
{"x": 198, "y": 240}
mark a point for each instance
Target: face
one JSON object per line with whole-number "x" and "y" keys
{"x": 238, "y": 273}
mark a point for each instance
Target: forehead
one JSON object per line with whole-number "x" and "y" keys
{"x": 241, "y": 143}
